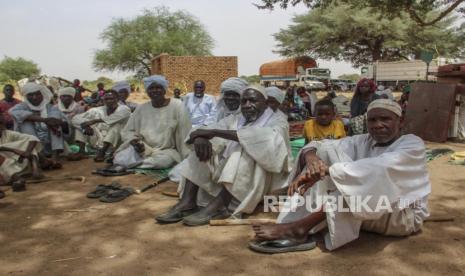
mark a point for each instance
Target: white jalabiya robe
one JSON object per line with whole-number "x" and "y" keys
{"x": 202, "y": 111}
{"x": 15, "y": 140}
{"x": 107, "y": 131}
{"x": 251, "y": 168}
{"x": 162, "y": 130}
{"x": 69, "y": 113}
{"x": 359, "y": 168}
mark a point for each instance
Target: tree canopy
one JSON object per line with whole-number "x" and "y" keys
{"x": 362, "y": 36}
{"x": 352, "y": 77}
{"x": 417, "y": 10}
{"x": 133, "y": 43}
{"x": 17, "y": 68}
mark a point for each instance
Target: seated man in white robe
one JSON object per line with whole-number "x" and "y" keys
{"x": 228, "y": 104}
{"x": 154, "y": 135}
{"x": 36, "y": 116}
{"x": 376, "y": 182}
{"x": 100, "y": 127}
{"x": 124, "y": 89}
{"x": 201, "y": 106}
{"x": 254, "y": 162}
{"x": 70, "y": 108}
{"x": 18, "y": 155}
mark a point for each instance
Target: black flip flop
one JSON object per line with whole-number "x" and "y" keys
{"x": 102, "y": 190}
{"x": 117, "y": 195}
{"x": 280, "y": 246}
{"x": 104, "y": 172}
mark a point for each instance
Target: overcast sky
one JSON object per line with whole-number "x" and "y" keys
{"x": 62, "y": 36}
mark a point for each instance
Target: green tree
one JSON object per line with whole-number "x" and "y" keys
{"x": 251, "y": 79}
{"x": 132, "y": 44}
{"x": 418, "y": 10}
{"x": 16, "y": 69}
{"x": 92, "y": 85}
{"x": 352, "y": 77}
{"x": 363, "y": 36}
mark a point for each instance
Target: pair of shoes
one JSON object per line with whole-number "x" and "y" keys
{"x": 173, "y": 215}
{"x": 114, "y": 170}
{"x": 203, "y": 217}
{"x": 103, "y": 189}
{"x": 111, "y": 193}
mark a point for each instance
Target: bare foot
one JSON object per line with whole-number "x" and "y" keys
{"x": 288, "y": 231}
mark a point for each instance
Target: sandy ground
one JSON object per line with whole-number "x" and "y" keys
{"x": 53, "y": 229}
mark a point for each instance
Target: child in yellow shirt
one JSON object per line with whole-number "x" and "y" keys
{"x": 325, "y": 125}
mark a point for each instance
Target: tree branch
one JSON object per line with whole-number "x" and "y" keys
{"x": 411, "y": 11}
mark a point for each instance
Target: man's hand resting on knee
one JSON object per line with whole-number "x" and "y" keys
{"x": 316, "y": 169}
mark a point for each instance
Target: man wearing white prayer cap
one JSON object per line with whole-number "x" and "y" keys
{"x": 253, "y": 162}
{"x": 375, "y": 182}
{"x": 124, "y": 89}
{"x": 36, "y": 116}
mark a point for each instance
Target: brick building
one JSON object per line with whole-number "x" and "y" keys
{"x": 182, "y": 71}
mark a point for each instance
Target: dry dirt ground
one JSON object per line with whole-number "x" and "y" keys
{"x": 53, "y": 229}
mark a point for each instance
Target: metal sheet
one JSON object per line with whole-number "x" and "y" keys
{"x": 430, "y": 110}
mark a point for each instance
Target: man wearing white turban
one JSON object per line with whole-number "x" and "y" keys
{"x": 275, "y": 99}
{"x": 154, "y": 135}
{"x": 124, "y": 88}
{"x": 230, "y": 99}
{"x": 201, "y": 106}
{"x": 100, "y": 127}
{"x": 254, "y": 161}
{"x": 70, "y": 108}
{"x": 36, "y": 116}
{"x": 377, "y": 182}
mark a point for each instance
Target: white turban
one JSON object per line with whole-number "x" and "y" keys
{"x": 69, "y": 91}
{"x": 276, "y": 93}
{"x": 122, "y": 85}
{"x": 32, "y": 87}
{"x": 233, "y": 84}
{"x": 158, "y": 79}
{"x": 257, "y": 88}
{"x": 387, "y": 105}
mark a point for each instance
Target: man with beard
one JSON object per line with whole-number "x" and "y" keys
{"x": 100, "y": 127}
{"x": 201, "y": 106}
{"x": 254, "y": 161}
{"x": 36, "y": 116}
{"x": 383, "y": 169}
{"x": 153, "y": 137}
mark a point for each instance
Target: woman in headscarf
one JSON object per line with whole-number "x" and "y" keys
{"x": 36, "y": 116}
{"x": 363, "y": 96}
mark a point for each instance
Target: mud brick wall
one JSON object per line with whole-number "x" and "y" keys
{"x": 182, "y": 71}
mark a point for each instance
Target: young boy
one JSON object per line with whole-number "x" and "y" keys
{"x": 325, "y": 125}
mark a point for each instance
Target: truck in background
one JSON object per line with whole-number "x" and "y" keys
{"x": 397, "y": 73}
{"x": 293, "y": 71}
